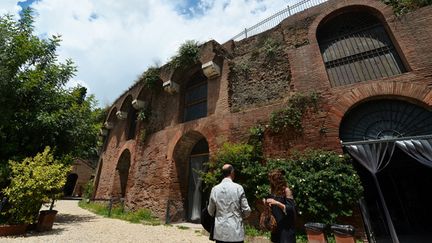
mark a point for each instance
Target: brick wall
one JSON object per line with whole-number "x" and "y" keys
{"x": 159, "y": 168}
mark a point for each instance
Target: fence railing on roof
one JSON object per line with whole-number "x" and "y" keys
{"x": 276, "y": 18}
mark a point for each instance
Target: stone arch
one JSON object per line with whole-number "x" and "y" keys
{"x": 418, "y": 93}
{"x": 333, "y": 8}
{"x": 112, "y": 115}
{"x": 357, "y": 45}
{"x": 129, "y": 114}
{"x": 121, "y": 174}
{"x": 385, "y": 117}
{"x": 189, "y": 154}
{"x": 379, "y": 9}
{"x": 402, "y": 180}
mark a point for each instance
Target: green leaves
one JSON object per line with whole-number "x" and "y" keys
{"x": 291, "y": 116}
{"x": 151, "y": 78}
{"x": 33, "y": 182}
{"x": 324, "y": 184}
{"x": 37, "y": 110}
{"x": 188, "y": 54}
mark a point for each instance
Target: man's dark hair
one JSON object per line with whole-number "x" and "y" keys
{"x": 227, "y": 171}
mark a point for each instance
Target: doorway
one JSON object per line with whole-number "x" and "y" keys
{"x": 405, "y": 184}
{"x": 196, "y": 198}
{"x": 70, "y": 184}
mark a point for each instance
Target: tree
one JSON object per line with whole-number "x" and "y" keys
{"x": 36, "y": 108}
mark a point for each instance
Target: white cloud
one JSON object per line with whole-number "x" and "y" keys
{"x": 113, "y": 41}
{"x": 9, "y": 7}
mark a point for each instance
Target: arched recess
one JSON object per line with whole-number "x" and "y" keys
{"x": 384, "y": 119}
{"x": 122, "y": 174}
{"x": 401, "y": 184}
{"x": 131, "y": 118}
{"x": 70, "y": 184}
{"x": 190, "y": 155}
{"x": 356, "y": 46}
{"x": 110, "y": 124}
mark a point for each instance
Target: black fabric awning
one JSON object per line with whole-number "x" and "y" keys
{"x": 375, "y": 155}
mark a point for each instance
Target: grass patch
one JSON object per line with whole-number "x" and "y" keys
{"x": 182, "y": 227}
{"x": 118, "y": 212}
{"x": 254, "y": 232}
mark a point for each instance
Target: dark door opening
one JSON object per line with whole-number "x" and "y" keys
{"x": 196, "y": 198}
{"x": 406, "y": 185}
{"x": 70, "y": 184}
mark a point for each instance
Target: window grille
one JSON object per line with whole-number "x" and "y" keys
{"x": 195, "y": 105}
{"x": 383, "y": 119}
{"x": 356, "y": 47}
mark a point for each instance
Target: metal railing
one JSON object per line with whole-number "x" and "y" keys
{"x": 276, "y": 18}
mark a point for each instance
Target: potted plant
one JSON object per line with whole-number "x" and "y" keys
{"x": 46, "y": 217}
{"x": 32, "y": 182}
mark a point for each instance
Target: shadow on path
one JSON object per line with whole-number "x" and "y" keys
{"x": 72, "y": 218}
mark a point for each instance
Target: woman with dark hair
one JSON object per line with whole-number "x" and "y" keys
{"x": 282, "y": 207}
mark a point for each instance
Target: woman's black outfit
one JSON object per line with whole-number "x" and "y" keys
{"x": 285, "y": 232}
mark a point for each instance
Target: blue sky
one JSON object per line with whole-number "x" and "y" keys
{"x": 113, "y": 41}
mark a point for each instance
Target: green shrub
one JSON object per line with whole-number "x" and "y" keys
{"x": 33, "y": 181}
{"x": 325, "y": 185}
{"x": 187, "y": 55}
{"x": 249, "y": 171}
{"x": 88, "y": 189}
{"x": 151, "y": 78}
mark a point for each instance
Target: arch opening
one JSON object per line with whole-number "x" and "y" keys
{"x": 190, "y": 155}
{"x": 402, "y": 181}
{"x": 356, "y": 47}
{"x": 70, "y": 184}
{"x": 121, "y": 175}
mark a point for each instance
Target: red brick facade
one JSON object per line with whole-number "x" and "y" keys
{"x": 158, "y": 166}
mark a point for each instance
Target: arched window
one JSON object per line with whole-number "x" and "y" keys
{"x": 195, "y": 99}
{"x": 355, "y": 47}
{"x": 132, "y": 120}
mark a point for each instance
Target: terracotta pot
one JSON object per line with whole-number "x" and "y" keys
{"x": 46, "y": 220}
{"x": 13, "y": 229}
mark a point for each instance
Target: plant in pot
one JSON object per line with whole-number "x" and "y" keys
{"x": 32, "y": 182}
{"x": 46, "y": 217}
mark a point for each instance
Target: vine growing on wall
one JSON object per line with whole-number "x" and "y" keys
{"x": 292, "y": 115}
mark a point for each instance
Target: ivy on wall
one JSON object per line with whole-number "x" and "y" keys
{"x": 292, "y": 115}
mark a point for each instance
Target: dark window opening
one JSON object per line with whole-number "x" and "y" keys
{"x": 356, "y": 47}
{"x": 132, "y": 119}
{"x": 195, "y": 99}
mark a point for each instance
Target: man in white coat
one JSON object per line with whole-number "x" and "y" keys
{"x": 228, "y": 204}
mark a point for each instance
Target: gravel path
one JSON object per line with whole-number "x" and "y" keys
{"x": 74, "y": 224}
